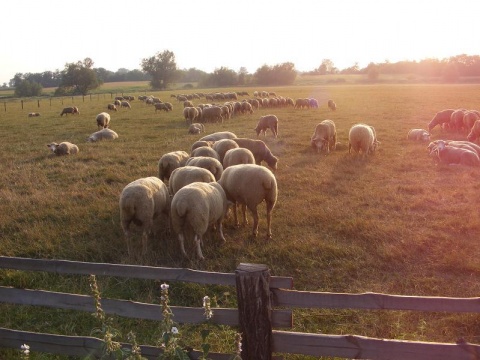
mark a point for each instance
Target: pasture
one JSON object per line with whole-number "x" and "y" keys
{"x": 393, "y": 223}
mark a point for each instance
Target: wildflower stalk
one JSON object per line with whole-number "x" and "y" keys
{"x": 25, "y": 352}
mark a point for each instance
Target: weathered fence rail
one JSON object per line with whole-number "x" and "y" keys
{"x": 257, "y": 294}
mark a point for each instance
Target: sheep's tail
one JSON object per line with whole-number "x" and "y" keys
{"x": 181, "y": 208}
{"x": 270, "y": 185}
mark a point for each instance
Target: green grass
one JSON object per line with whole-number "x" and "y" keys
{"x": 394, "y": 223}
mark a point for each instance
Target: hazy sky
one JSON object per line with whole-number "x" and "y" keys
{"x": 40, "y": 36}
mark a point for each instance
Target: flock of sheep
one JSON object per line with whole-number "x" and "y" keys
{"x": 194, "y": 190}
{"x": 462, "y": 152}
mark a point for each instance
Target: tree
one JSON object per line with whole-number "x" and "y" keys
{"x": 28, "y": 88}
{"x": 79, "y": 77}
{"x": 161, "y": 67}
{"x": 373, "y": 72}
{"x": 281, "y": 74}
{"x": 242, "y": 76}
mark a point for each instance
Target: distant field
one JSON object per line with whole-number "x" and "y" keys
{"x": 394, "y": 223}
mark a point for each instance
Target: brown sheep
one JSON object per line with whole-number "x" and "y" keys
{"x": 260, "y": 151}
{"x": 267, "y": 122}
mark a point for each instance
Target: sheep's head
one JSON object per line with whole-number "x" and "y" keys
{"x": 53, "y": 147}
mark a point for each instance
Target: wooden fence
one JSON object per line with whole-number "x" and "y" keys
{"x": 259, "y": 296}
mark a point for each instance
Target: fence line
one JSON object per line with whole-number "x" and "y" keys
{"x": 256, "y": 296}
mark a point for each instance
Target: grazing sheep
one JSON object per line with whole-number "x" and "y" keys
{"x": 212, "y": 114}
{"x": 103, "y": 120}
{"x": 455, "y": 143}
{"x": 117, "y": 102}
{"x": 469, "y": 119}
{"x": 207, "y": 162}
{"x": 199, "y": 143}
{"x": 205, "y": 151}
{"x": 196, "y": 128}
{"x": 456, "y": 119}
{"x": 418, "y": 135}
{"x": 362, "y": 138}
{"x": 33, "y": 114}
{"x": 324, "y": 137}
{"x": 440, "y": 118}
{"x": 125, "y": 104}
{"x": 313, "y": 103}
{"x": 64, "y": 148}
{"x": 185, "y": 175}
{"x": 474, "y": 132}
{"x": 219, "y": 136}
{"x": 447, "y": 154}
{"x": 142, "y": 202}
{"x": 238, "y": 156}
{"x": 190, "y": 114}
{"x": 267, "y": 122}
{"x": 112, "y": 107}
{"x": 169, "y": 162}
{"x": 248, "y": 185}
{"x": 70, "y": 110}
{"x": 196, "y": 207}
{"x": 222, "y": 146}
{"x": 104, "y": 134}
{"x": 161, "y": 106}
{"x": 260, "y": 151}
{"x": 331, "y": 105}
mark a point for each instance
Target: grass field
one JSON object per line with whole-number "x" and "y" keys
{"x": 393, "y": 223}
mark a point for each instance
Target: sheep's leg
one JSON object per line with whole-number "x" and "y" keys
{"x": 181, "y": 239}
{"x": 255, "y": 221}
{"x": 198, "y": 241}
{"x": 244, "y": 213}
{"x": 127, "y": 239}
{"x": 220, "y": 230}
{"x": 237, "y": 223}
{"x": 144, "y": 242}
{"x": 269, "y": 220}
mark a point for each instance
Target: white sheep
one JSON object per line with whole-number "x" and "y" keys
{"x": 211, "y": 164}
{"x": 222, "y": 146}
{"x": 362, "y": 138}
{"x": 418, "y": 135}
{"x": 143, "y": 202}
{"x": 196, "y": 207}
{"x": 440, "y": 117}
{"x": 455, "y": 143}
{"x": 238, "y": 156}
{"x": 219, "y": 136}
{"x": 64, "y": 148}
{"x": 205, "y": 151}
{"x": 260, "y": 151}
{"x": 125, "y": 104}
{"x": 199, "y": 143}
{"x": 103, "y": 120}
{"x": 169, "y": 162}
{"x": 331, "y": 105}
{"x": 112, "y": 107}
{"x": 104, "y": 134}
{"x": 249, "y": 185}
{"x": 267, "y": 122}
{"x": 196, "y": 128}
{"x": 185, "y": 175}
{"x": 70, "y": 110}
{"x": 324, "y": 137}
{"x": 33, "y": 114}
{"x": 447, "y": 154}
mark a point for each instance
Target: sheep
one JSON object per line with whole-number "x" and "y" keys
{"x": 455, "y": 143}
{"x": 196, "y": 128}
{"x": 440, "y": 118}
{"x": 212, "y": 114}
{"x": 205, "y": 151}
{"x": 248, "y": 185}
{"x": 260, "y": 151}
{"x": 474, "y": 132}
{"x": 33, "y": 114}
{"x": 117, "y": 102}
{"x": 112, "y": 107}
{"x": 362, "y": 138}
{"x": 418, "y": 135}
{"x": 190, "y": 114}
{"x": 142, "y": 202}
{"x": 447, "y": 154}
{"x": 222, "y": 146}
{"x": 238, "y": 156}
{"x": 456, "y": 119}
{"x": 125, "y": 104}
{"x": 103, "y": 120}
{"x": 207, "y": 162}
{"x": 169, "y": 162}
{"x": 194, "y": 208}
{"x": 199, "y": 143}
{"x": 70, "y": 110}
{"x": 324, "y": 137}
{"x": 331, "y": 105}
{"x": 267, "y": 122}
{"x": 219, "y": 136}
{"x": 313, "y": 103}
{"x": 64, "y": 148}
{"x": 104, "y": 134}
{"x": 185, "y": 175}
{"x": 469, "y": 119}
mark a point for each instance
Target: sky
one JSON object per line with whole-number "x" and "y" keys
{"x": 40, "y": 36}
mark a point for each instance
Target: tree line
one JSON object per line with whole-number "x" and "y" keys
{"x": 161, "y": 70}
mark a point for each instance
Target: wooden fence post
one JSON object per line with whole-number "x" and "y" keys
{"x": 5, "y": 104}
{"x": 38, "y": 103}
{"x": 254, "y": 310}
{"x": 22, "y": 104}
